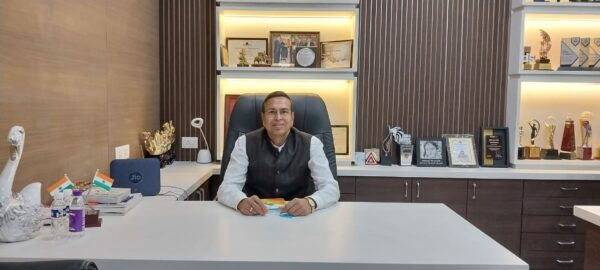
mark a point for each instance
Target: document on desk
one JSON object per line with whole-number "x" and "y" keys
{"x": 274, "y": 206}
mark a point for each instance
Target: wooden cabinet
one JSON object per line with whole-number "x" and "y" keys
{"x": 494, "y": 206}
{"x": 347, "y": 188}
{"x": 552, "y": 238}
{"x": 451, "y": 192}
{"x": 383, "y": 189}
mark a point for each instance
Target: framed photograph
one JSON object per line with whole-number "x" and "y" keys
{"x": 337, "y": 54}
{"x": 431, "y": 152}
{"x": 252, "y": 46}
{"x": 230, "y": 101}
{"x": 340, "y": 139}
{"x": 295, "y": 49}
{"x": 461, "y": 150}
{"x": 493, "y": 147}
{"x": 224, "y": 56}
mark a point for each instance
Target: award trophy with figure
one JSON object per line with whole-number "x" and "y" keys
{"x": 550, "y": 128}
{"x": 545, "y": 45}
{"x": 585, "y": 151}
{"x": 567, "y": 146}
{"x": 532, "y": 151}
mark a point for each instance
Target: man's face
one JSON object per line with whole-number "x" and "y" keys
{"x": 278, "y": 117}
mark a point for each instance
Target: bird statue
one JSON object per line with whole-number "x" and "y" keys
{"x": 20, "y": 213}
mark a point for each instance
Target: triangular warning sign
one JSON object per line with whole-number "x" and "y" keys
{"x": 370, "y": 160}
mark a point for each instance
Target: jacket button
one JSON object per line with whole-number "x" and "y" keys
{"x": 276, "y": 190}
{"x": 277, "y": 172}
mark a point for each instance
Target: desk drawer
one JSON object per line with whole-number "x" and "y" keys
{"x": 347, "y": 184}
{"x": 555, "y": 206}
{"x": 347, "y": 197}
{"x": 553, "y": 260}
{"x": 552, "y": 242}
{"x": 561, "y": 189}
{"x": 553, "y": 224}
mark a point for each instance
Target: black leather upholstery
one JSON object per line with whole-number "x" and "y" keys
{"x": 310, "y": 116}
{"x": 49, "y": 265}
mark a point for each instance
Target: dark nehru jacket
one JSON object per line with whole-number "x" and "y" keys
{"x": 274, "y": 174}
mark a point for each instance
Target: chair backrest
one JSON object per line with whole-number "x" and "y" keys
{"x": 310, "y": 116}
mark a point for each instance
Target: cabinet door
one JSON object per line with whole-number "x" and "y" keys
{"x": 383, "y": 189}
{"x": 494, "y": 206}
{"x": 347, "y": 188}
{"x": 451, "y": 192}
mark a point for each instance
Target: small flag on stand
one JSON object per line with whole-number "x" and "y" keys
{"x": 102, "y": 181}
{"x": 60, "y": 185}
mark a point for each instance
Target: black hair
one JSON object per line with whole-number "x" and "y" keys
{"x": 274, "y": 95}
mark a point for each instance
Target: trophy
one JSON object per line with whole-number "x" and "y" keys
{"x": 585, "y": 151}
{"x": 545, "y": 45}
{"x": 550, "y": 128}
{"x": 386, "y": 147}
{"x": 521, "y": 151}
{"x": 567, "y": 146}
{"x": 527, "y": 58}
{"x": 243, "y": 61}
{"x": 532, "y": 151}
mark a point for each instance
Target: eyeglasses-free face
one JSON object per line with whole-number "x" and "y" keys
{"x": 278, "y": 117}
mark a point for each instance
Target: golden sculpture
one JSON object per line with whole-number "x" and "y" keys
{"x": 262, "y": 60}
{"x": 160, "y": 142}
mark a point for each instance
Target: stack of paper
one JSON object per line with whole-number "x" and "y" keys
{"x": 118, "y": 208}
{"x": 274, "y": 205}
{"x": 115, "y": 195}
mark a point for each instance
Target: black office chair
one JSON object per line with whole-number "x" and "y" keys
{"x": 310, "y": 116}
{"x": 50, "y": 265}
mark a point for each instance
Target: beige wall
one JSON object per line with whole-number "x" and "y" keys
{"x": 81, "y": 77}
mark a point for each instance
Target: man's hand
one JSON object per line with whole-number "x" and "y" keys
{"x": 297, "y": 207}
{"x": 252, "y": 206}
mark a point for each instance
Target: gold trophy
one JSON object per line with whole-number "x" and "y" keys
{"x": 550, "y": 128}
{"x": 531, "y": 151}
{"x": 545, "y": 45}
{"x": 585, "y": 151}
{"x": 521, "y": 151}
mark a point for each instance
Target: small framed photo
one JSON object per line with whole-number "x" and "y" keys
{"x": 224, "y": 56}
{"x": 251, "y": 46}
{"x": 340, "y": 135}
{"x": 337, "y": 54}
{"x": 295, "y": 49}
{"x": 431, "y": 152}
{"x": 493, "y": 147}
{"x": 461, "y": 150}
{"x": 230, "y": 101}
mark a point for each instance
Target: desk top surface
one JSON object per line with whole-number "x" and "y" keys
{"x": 589, "y": 213}
{"x": 180, "y": 235}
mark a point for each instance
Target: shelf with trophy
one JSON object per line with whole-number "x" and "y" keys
{"x": 297, "y": 46}
{"x": 554, "y": 85}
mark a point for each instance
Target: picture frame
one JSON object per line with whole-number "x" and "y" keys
{"x": 294, "y": 49}
{"x": 252, "y": 46}
{"x": 337, "y": 54}
{"x": 461, "y": 150}
{"x": 494, "y": 147}
{"x": 230, "y": 101}
{"x": 431, "y": 152}
{"x": 340, "y": 134}
{"x": 224, "y": 56}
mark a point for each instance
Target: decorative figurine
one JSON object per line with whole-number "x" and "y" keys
{"x": 394, "y": 134}
{"x": 545, "y": 45}
{"x": 532, "y": 151}
{"x": 262, "y": 60}
{"x": 550, "y": 128}
{"x": 159, "y": 144}
{"x": 20, "y": 213}
{"x": 243, "y": 62}
{"x": 585, "y": 151}
{"x": 567, "y": 146}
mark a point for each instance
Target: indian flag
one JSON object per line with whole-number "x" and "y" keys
{"x": 60, "y": 185}
{"x": 102, "y": 181}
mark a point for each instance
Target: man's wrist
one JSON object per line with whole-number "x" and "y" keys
{"x": 312, "y": 203}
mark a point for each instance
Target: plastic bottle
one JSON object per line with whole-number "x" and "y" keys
{"x": 77, "y": 215}
{"x": 60, "y": 220}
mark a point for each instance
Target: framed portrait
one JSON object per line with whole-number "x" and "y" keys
{"x": 461, "y": 150}
{"x": 252, "y": 46}
{"x": 431, "y": 152}
{"x": 493, "y": 147}
{"x": 337, "y": 54}
{"x": 340, "y": 135}
{"x": 230, "y": 101}
{"x": 294, "y": 49}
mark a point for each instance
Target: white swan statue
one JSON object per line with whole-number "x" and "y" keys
{"x": 20, "y": 213}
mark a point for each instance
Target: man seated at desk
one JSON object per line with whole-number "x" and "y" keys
{"x": 278, "y": 161}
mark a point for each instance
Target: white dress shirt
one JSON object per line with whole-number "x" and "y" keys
{"x": 327, "y": 189}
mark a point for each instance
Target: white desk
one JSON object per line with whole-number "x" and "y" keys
{"x": 183, "y": 178}
{"x": 160, "y": 234}
{"x": 591, "y": 214}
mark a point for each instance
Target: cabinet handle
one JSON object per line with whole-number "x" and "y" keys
{"x": 565, "y": 261}
{"x": 201, "y": 194}
{"x": 570, "y": 243}
{"x": 474, "y": 191}
{"x": 418, "y": 189}
{"x": 405, "y": 189}
{"x": 567, "y": 225}
{"x": 565, "y": 207}
{"x": 569, "y": 189}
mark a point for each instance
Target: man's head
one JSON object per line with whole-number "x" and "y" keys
{"x": 277, "y": 115}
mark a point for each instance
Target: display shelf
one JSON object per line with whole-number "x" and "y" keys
{"x": 557, "y": 76}
{"x": 557, "y": 8}
{"x": 289, "y": 70}
{"x": 557, "y": 164}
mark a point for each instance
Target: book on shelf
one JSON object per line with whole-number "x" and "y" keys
{"x": 118, "y": 208}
